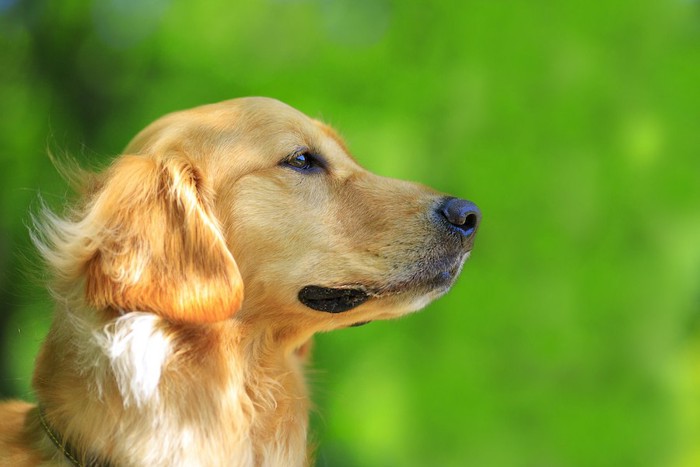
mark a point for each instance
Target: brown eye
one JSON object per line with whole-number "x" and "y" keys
{"x": 302, "y": 162}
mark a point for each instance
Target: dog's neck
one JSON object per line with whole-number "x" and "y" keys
{"x": 138, "y": 391}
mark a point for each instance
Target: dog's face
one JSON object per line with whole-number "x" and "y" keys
{"x": 320, "y": 242}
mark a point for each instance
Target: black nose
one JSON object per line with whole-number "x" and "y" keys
{"x": 462, "y": 214}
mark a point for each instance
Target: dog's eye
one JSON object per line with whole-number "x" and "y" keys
{"x": 303, "y": 161}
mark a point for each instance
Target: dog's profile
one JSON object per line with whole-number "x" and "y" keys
{"x": 191, "y": 275}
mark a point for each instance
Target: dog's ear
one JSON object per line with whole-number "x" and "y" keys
{"x": 160, "y": 248}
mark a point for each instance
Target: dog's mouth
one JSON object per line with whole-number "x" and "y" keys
{"x": 430, "y": 278}
{"x": 332, "y": 300}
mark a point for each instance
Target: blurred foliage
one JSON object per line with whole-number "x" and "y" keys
{"x": 573, "y": 336}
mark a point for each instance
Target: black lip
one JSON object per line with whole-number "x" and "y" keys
{"x": 361, "y": 323}
{"x": 332, "y": 300}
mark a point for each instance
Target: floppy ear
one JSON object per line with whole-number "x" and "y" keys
{"x": 160, "y": 248}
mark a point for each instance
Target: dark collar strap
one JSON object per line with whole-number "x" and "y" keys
{"x": 66, "y": 448}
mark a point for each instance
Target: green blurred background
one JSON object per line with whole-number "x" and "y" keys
{"x": 573, "y": 335}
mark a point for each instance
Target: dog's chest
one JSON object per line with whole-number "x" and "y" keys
{"x": 254, "y": 419}
{"x": 195, "y": 400}
{"x": 237, "y": 430}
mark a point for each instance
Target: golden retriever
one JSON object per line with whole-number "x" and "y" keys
{"x": 154, "y": 357}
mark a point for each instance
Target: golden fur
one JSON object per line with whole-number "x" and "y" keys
{"x": 154, "y": 356}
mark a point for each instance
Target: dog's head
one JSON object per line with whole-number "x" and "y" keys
{"x": 252, "y": 194}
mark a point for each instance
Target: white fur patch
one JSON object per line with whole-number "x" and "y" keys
{"x": 138, "y": 350}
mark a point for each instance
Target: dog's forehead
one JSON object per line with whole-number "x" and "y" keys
{"x": 251, "y": 119}
{"x": 329, "y": 132}
{"x": 278, "y": 128}
{"x": 250, "y": 115}
{"x": 277, "y": 120}
{"x": 242, "y": 135}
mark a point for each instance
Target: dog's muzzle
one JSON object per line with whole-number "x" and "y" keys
{"x": 456, "y": 221}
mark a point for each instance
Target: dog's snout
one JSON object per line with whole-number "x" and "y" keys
{"x": 462, "y": 214}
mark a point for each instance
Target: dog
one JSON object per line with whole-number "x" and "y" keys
{"x": 154, "y": 357}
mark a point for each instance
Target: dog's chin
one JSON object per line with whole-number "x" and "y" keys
{"x": 419, "y": 289}
{"x": 394, "y": 298}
